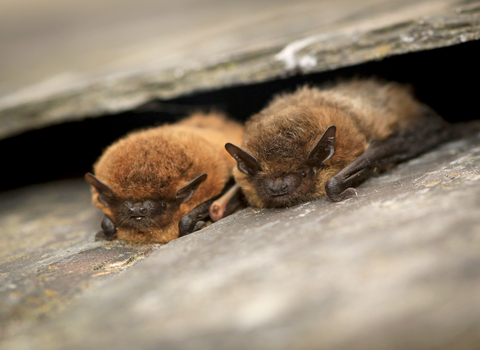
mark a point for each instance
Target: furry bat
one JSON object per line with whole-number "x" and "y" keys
{"x": 147, "y": 181}
{"x": 322, "y": 141}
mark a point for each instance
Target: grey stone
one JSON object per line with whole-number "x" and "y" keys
{"x": 396, "y": 268}
{"x": 48, "y": 253}
{"x": 247, "y": 43}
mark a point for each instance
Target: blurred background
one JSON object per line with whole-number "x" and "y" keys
{"x": 58, "y": 41}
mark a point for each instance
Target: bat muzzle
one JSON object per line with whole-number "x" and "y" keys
{"x": 283, "y": 185}
{"x": 141, "y": 210}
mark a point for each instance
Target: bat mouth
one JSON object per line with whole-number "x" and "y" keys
{"x": 137, "y": 218}
{"x": 279, "y": 194}
{"x": 282, "y": 199}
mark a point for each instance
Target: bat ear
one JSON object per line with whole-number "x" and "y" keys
{"x": 323, "y": 149}
{"x": 186, "y": 192}
{"x": 105, "y": 195}
{"x": 246, "y": 163}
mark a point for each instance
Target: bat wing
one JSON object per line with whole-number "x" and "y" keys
{"x": 420, "y": 137}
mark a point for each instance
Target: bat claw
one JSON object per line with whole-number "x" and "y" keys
{"x": 199, "y": 225}
{"x": 335, "y": 190}
{"x": 349, "y": 193}
{"x": 188, "y": 225}
{"x": 353, "y": 192}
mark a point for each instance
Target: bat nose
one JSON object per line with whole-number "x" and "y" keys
{"x": 138, "y": 211}
{"x": 282, "y": 186}
{"x": 277, "y": 189}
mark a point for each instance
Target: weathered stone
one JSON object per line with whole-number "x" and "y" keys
{"x": 397, "y": 268}
{"x": 271, "y": 40}
{"x": 47, "y": 251}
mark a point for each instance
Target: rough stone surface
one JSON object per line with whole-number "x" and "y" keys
{"x": 47, "y": 252}
{"x": 397, "y": 268}
{"x": 249, "y": 42}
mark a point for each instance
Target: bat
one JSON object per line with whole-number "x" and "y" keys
{"x": 150, "y": 181}
{"x": 324, "y": 141}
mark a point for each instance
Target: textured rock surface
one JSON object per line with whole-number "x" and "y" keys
{"x": 397, "y": 268}
{"x": 47, "y": 251}
{"x": 137, "y": 55}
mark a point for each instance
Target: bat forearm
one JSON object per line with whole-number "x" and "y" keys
{"x": 109, "y": 230}
{"x": 404, "y": 145}
{"x": 188, "y": 223}
{"x": 226, "y": 204}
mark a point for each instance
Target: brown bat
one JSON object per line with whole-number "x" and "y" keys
{"x": 147, "y": 181}
{"x": 322, "y": 141}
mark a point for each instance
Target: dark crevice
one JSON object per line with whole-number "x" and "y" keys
{"x": 446, "y": 79}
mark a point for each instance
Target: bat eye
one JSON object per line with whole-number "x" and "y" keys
{"x": 304, "y": 174}
{"x": 163, "y": 204}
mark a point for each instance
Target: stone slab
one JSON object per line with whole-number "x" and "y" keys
{"x": 140, "y": 55}
{"x": 397, "y": 268}
{"x": 48, "y": 256}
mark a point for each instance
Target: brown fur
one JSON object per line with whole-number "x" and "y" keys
{"x": 282, "y": 134}
{"x": 154, "y": 163}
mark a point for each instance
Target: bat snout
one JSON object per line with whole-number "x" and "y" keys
{"x": 283, "y": 185}
{"x": 139, "y": 211}
{"x": 142, "y": 215}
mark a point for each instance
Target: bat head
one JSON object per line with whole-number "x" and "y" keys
{"x": 142, "y": 214}
{"x": 284, "y": 188}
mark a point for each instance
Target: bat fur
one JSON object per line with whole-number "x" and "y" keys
{"x": 152, "y": 166}
{"x": 283, "y": 160}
